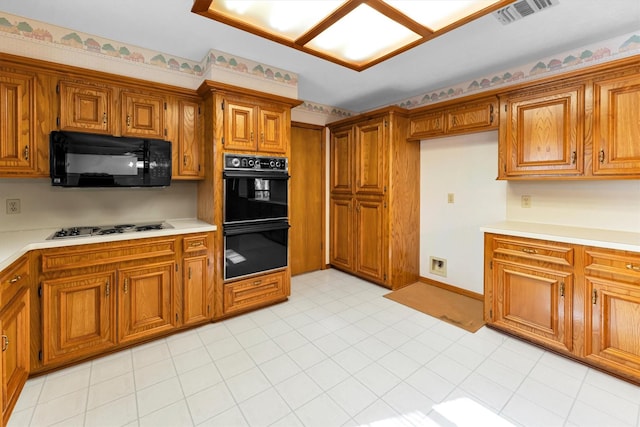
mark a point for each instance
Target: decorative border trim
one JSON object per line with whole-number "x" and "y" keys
{"x": 619, "y": 47}
{"x": 41, "y": 32}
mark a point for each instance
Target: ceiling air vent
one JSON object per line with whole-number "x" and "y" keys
{"x": 522, "y": 9}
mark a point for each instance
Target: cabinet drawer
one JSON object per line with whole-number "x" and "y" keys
{"x": 427, "y": 125}
{"x": 534, "y": 250}
{"x": 13, "y": 279}
{"x": 194, "y": 243}
{"x": 599, "y": 261}
{"x": 254, "y": 292}
{"x": 104, "y": 253}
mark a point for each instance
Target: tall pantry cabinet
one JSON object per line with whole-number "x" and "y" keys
{"x": 375, "y": 195}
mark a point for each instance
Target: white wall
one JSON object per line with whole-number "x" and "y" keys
{"x": 44, "y": 206}
{"x": 467, "y": 167}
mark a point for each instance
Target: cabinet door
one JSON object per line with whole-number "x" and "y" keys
{"x": 17, "y": 124}
{"x": 342, "y": 160}
{"x": 613, "y": 324}
{"x": 255, "y": 292}
{"x": 142, "y": 115}
{"x": 427, "y": 125}
{"x": 14, "y": 323}
{"x": 190, "y": 144}
{"x": 86, "y": 108}
{"x": 273, "y": 133}
{"x": 145, "y": 301}
{"x": 535, "y": 303}
{"x": 543, "y": 133}
{"x": 616, "y": 130}
{"x": 341, "y": 233}
{"x": 473, "y": 117}
{"x": 371, "y": 157}
{"x": 78, "y": 316}
{"x": 239, "y": 124}
{"x": 196, "y": 306}
{"x": 370, "y": 239}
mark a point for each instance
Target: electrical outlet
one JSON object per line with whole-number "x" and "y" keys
{"x": 13, "y": 206}
{"x": 525, "y": 201}
{"x": 438, "y": 266}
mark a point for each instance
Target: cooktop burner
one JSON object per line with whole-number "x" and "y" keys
{"x": 86, "y": 231}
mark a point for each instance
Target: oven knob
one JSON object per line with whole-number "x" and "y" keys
{"x": 251, "y": 163}
{"x": 278, "y": 163}
{"x": 272, "y": 164}
{"x": 235, "y": 162}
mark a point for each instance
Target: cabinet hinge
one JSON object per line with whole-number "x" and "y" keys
{"x": 176, "y": 268}
{"x": 58, "y": 121}
{"x": 505, "y": 108}
{"x": 58, "y": 88}
{"x": 40, "y": 355}
{"x": 208, "y": 261}
{"x": 385, "y": 277}
{"x": 165, "y": 105}
{"x": 223, "y": 140}
{"x": 199, "y": 111}
{"x": 222, "y": 105}
{"x": 208, "y": 309}
{"x": 198, "y": 168}
{"x": 40, "y": 291}
{"x": 386, "y": 123}
{"x": 176, "y": 317}
{"x": 165, "y": 132}
{"x": 385, "y": 188}
{"x": 491, "y": 314}
{"x": 385, "y": 204}
{"x": 490, "y": 265}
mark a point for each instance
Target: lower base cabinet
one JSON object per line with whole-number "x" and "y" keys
{"x": 582, "y": 302}
{"x": 245, "y": 294}
{"x": 14, "y": 323}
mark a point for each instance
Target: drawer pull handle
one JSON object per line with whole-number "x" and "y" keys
{"x": 26, "y": 152}
{"x": 5, "y": 343}
{"x": 104, "y": 118}
{"x": 257, "y": 282}
{"x": 128, "y": 121}
{"x": 195, "y": 244}
{"x": 15, "y": 279}
{"x": 529, "y": 251}
{"x": 633, "y": 267}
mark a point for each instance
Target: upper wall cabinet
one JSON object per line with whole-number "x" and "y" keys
{"x": 17, "y": 123}
{"x": 184, "y": 118}
{"x": 542, "y": 132}
{"x": 464, "y": 117}
{"x": 616, "y": 127}
{"x": 250, "y": 125}
{"x": 88, "y": 107}
{"x": 585, "y": 127}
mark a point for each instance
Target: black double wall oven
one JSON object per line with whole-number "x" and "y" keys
{"x": 255, "y": 223}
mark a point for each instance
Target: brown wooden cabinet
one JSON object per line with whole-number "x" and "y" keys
{"x": 542, "y": 132}
{"x": 197, "y": 283}
{"x": 185, "y": 133}
{"x": 581, "y": 301}
{"x": 616, "y": 130}
{"x": 17, "y": 123}
{"x": 612, "y": 310}
{"x": 15, "y": 342}
{"x": 251, "y": 125}
{"x": 146, "y": 301}
{"x": 477, "y": 115}
{"x": 89, "y": 106}
{"x": 78, "y": 316}
{"x": 374, "y": 210}
{"x": 15, "y": 337}
{"x": 257, "y": 291}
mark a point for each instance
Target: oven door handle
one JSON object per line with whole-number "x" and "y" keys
{"x": 235, "y": 229}
{"x": 264, "y": 174}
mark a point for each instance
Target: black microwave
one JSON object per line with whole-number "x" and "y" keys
{"x": 90, "y": 160}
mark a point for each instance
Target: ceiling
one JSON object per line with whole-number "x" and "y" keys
{"x": 474, "y": 50}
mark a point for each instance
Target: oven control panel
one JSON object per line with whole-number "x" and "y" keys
{"x": 247, "y": 162}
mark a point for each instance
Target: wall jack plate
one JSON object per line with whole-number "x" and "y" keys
{"x": 13, "y": 206}
{"x": 438, "y": 266}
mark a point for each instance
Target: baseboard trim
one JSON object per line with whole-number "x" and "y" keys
{"x": 451, "y": 288}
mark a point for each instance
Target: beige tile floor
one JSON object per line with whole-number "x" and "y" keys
{"x": 336, "y": 354}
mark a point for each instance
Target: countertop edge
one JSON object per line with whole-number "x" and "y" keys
{"x": 609, "y": 239}
{"x": 23, "y": 241}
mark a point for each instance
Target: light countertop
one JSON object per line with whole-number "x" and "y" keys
{"x": 612, "y": 239}
{"x": 13, "y": 244}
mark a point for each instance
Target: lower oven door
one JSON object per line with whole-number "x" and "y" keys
{"x": 255, "y": 247}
